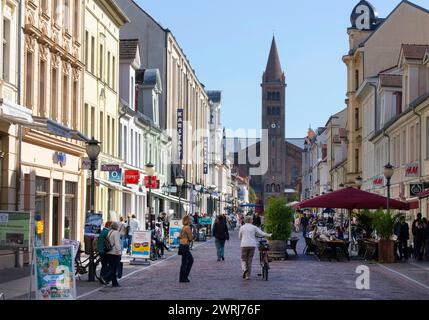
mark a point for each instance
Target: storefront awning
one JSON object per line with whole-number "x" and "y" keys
{"x": 424, "y": 194}
{"x": 113, "y": 185}
{"x": 169, "y": 197}
{"x": 15, "y": 113}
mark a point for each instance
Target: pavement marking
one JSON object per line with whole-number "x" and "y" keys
{"x": 417, "y": 265}
{"x": 139, "y": 270}
{"x": 405, "y": 276}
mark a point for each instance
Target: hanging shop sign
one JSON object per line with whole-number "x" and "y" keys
{"x": 141, "y": 244}
{"x": 416, "y": 188}
{"x": 180, "y": 132}
{"x": 60, "y": 158}
{"x": 378, "y": 182}
{"x": 55, "y": 273}
{"x": 115, "y": 176}
{"x": 175, "y": 229}
{"x": 86, "y": 164}
{"x": 206, "y": 155}
{"x": 132, "y": 177}
{"x": 109, "y": 167}
{"x": 151, "y": 184}
{"x": 412, "y": 170}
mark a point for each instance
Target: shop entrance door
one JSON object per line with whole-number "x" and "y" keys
{"x": 56, "y": 221}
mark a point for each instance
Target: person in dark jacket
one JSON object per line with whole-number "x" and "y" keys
{"x": 403, "y": 234}
{"x": 257, "y": 220}
{"x": 417, "y": 230}
{"x": 221, "y": 234}
{"x": 100, "y": 248}
{"x": 304, "y": 223}
{"x": 426, "y": 238}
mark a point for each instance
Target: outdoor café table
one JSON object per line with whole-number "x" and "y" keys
{"x": 333, "y": 245}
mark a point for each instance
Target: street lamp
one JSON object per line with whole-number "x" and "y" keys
{"x": 93, "y": 150}
{"x": 179, "y": 182}
{"x": 150, "y": 171}
{"x": 199, "y": 187}
{"x": 388, "y": 173}
{"x": 212, "y": 189}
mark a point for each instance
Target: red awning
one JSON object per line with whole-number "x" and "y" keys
{"x": 351, "y": 198}
{"x": 424, "y": 194}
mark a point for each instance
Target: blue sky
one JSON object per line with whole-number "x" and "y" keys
{"x": 228, "y": 41}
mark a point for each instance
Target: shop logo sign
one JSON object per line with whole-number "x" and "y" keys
{"x": 132, "y": 177}
{"x": 115, "y": 176}
{"x": 60, "y": 158}
{"x": 412, "y": 170}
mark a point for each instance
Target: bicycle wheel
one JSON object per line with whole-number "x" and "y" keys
{"x": 265, "y": 272}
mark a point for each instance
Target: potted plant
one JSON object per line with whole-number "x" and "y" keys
{"x": 278, "y": 222}
{"x": 365, "y": 221}
{"x": 383, "y": 224}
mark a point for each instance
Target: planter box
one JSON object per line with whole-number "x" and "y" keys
{"x": 277, "y": 249}
{"x": 386, "y": 251}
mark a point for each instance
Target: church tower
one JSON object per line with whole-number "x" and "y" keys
{"x": 273, "y": 120}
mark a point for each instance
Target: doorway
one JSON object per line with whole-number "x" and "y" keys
{"x": 56, "y": 221}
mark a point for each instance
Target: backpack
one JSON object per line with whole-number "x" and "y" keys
{"x": 107, "y": 246}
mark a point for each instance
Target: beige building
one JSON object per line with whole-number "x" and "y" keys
{"x": 374, "y": 47}
{"x": 51, "y": 181}
{"x": 100, "y": 112}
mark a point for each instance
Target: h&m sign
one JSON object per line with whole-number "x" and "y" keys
{"x": 412, "y": 170}
{"x": 180, "y": 132}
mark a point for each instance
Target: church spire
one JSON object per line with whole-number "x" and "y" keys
{"x": 273, "y": 72}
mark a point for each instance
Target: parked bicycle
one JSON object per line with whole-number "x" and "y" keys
{"x": 263, "y": 258}
{"x": 82, "y": 265}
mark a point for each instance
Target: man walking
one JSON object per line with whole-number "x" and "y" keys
{"x": 257, "y": 220}
{"x": 304, "y": 224}
{"x": 247, "y": 236}
{"x": 134, "y": 225}
{"x": 403, "y": 236}
{"x": 417, "y": 230}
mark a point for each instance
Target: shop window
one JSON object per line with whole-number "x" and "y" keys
{"x": 41, "y": 205}
{"x": 70, "y": 212}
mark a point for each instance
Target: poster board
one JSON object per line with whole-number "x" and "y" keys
{"x": 175, "y": 228}
{"x": 14, "y": 229}
{"x": 140, "y": 247}
{"x": 208, "y": 221}
{"x": 74, "y": 243}
{"x": 93, "y": 224}
{"x": 54, "y": 272}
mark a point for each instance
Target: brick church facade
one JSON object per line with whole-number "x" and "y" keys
{"x": 282, "y": 156}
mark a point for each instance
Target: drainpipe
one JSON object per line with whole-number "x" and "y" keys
{"x": 420, "y": 148}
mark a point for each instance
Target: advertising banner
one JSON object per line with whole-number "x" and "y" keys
{"x": 206, "y": 155}
{"x": 14, "y": 229}
{"x": 180, "y": 132}
{"x": 205, "y": 221}
{"x": 175, "y": 228}
{"x": 141, "y": 244}
{"x": 54, "y": 271}
{"x": 93, "y": 224}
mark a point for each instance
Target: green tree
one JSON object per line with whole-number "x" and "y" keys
{"x": 278, "y": 219}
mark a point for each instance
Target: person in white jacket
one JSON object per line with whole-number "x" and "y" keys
{"x": 249, "y": 243}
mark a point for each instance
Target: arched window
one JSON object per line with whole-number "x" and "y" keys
{"x": 269, "y": 96}
{"x": 273, "y": 187}
{"x": 278, "y": 188}
{"x": 268, "y": 188}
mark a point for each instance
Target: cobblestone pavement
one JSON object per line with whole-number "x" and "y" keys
{"x": 303, "y": 277}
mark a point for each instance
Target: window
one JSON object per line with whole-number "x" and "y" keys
{"x": 412, "y": 146}
{"x": 76, "y": 19}
{"x": 269, "y": 96}
{"x": 75, "y": 109}
{"x": 357, "y": 160}
{"x": 44, "y": 6}
{"x": 278, "y": 111}
{"x": 92, "y": 54}
{"x": 101, "y": 134}
{"x": 114, "y": 73}
{"x": 86, "y": 49}
{"x": 132, "y": 88}
{"x": 70, "y": 214}
{"x": 125, "y": 140}
{"x": 427, "y": 140}
{"x": 66, "y": 15}
{"x": 41, "y": 203}
{"x": 108, "y": 136}
{"x": 29, "y": 80}
{"x": 268, "y": 188}
{"x": 113, "y": 137}
{"x": 54, "y": 94}
{"x": 86, "y": 122}
{"x": 108, "y": 68}
{"x": 132, "y": 147}
{"x": 6, "y": 48}
{"x": 398, "y": 96}
{"x": 101, "y": 72}
{"x": 65, "y": 100}
{"x": 356, "y": 118}
{"x": 56, "y": 11}
{"x": 269, "y": 111}
{"x": 42, "y": 88}
{"x": 404, "y": 147}
{"x": 356, "y": 79}
{"x": 92, "y": 121}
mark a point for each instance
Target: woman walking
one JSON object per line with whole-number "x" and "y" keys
{"x": 113, "y": 256}
{"x": 186, "y": 238}
{"x": 220, "y": 232}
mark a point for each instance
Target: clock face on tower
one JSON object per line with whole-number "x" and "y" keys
{"x": 275, "y": 126}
